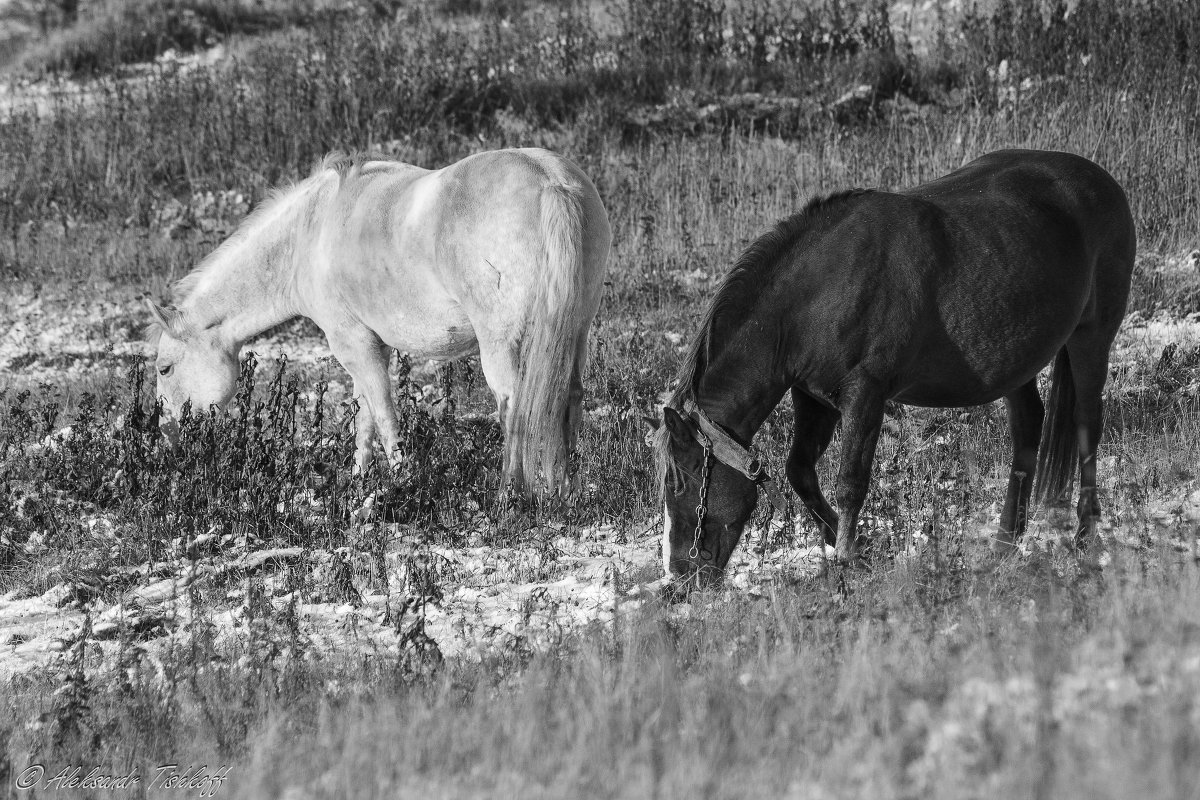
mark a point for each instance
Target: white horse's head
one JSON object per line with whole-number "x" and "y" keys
{"x": 194, "y": 365}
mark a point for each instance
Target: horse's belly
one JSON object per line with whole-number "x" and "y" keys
{"x": 401, "y": 299}
{"x": 952, "y": 374}
{"x": 438, "y": 330}
{"x": 936, "y": 396}
{"x": 993, "y": 336}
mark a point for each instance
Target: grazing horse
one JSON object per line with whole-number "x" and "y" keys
{"x": 953, "y": 293}
{"x": 503, "y": 253}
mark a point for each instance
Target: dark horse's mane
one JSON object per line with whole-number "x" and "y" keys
{"x": 743, "y": 285}
{"x": 738, "y": 293}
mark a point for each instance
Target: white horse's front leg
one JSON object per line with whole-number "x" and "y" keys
{"x": 364, "y": 436}
{"x": 365, "y": 357}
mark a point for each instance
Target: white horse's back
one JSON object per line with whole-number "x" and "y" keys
{"x": 503, "y": 253}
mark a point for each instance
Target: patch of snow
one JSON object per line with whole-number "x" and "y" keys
{"x": 1141, "y": 339}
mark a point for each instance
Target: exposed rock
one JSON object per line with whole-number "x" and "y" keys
{"x": 779, "y": 115}
{"x": 856, "y": 106}
{"x": 1012, "y": 86}
{"x": 903, "y": 108}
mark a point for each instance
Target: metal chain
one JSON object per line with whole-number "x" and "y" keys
{"x": 702, "y": 506}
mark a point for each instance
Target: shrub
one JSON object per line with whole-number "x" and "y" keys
{"x": 110, "y": 34}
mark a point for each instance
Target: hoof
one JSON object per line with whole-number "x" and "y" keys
{"x": 1091, "y": 552}
{"x": 1086, "y": 541}
{"x": 1003, "y": 545}
{"x": 993, "y": 558}
{"x": 854, "y": 563}
{"x": 1093, "y": 561}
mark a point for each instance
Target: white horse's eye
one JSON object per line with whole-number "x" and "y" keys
{"x": 165, "y": 371}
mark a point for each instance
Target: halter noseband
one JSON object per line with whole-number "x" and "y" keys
{"x": 732, "y": 454}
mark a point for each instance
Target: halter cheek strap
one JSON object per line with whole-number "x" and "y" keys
{"x": 732, "y": 454}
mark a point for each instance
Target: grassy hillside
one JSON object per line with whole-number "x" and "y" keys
{"x": 936, "y": 674}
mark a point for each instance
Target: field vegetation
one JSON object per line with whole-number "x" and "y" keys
{"x": 133, "y": 138}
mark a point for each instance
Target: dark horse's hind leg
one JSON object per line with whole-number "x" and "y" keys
{"x": 1025, "y": 416}
{"x": 1089, "y": 367}
{"x": 814, "y": 428}
{"x": 861, "y": 403}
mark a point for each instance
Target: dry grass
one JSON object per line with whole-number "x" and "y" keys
{"x": 935, "y": 675}
{"x": 1035, "y": 680}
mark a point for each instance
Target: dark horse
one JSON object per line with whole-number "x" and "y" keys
{"x": 953, "y": 293}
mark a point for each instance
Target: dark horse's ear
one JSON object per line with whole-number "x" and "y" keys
{"x": 652, "y": 426}
{"x": 677, "y": 425}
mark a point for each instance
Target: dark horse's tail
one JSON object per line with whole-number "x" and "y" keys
{"x": 1058, "y": 452}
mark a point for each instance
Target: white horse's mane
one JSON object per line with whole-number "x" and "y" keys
{"x": 344, "y": 165}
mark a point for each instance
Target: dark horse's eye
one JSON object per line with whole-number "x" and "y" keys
{"x": 165, "y": 371}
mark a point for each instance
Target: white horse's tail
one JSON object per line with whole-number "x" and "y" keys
{"x": 546, "y": 398}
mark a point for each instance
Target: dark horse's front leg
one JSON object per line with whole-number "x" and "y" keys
{"x": 861, "y": 403}
{"x": 815, "y": 423}
{"x": 1025, "y": 416}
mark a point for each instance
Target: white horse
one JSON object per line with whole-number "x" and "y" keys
{"x": 503, "y": 253}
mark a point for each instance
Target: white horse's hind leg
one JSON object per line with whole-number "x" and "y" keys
{"x": 365, "y": 357}
{"x": 575, "y": 397}
{"x": 500, "y": 370}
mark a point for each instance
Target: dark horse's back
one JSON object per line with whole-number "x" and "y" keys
{"x": 959, "y": 290}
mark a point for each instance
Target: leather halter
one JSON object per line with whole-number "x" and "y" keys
{"x": 726, "y": 450}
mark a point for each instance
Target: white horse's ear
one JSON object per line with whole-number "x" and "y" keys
{"x": 165, "y": 319}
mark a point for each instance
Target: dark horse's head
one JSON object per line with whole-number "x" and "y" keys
{"x": 706, "y": 502}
